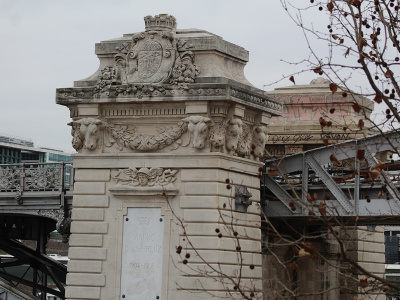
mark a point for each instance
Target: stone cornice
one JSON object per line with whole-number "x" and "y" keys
{"x": 162, "y": 93}
{"x": 200, "y": 39}
{"x": 214, "y": 160}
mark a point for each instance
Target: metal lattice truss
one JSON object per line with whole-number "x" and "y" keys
{"x": 344, "y": 178}
{"x": 38, "y": 271}
{"x": 27, "y": 266}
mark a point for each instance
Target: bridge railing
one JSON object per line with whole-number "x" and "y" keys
{"x": 32, "y": 177}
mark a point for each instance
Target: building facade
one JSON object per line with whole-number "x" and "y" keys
{"x": 15, "y": 150}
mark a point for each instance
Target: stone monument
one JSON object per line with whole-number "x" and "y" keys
{"x": 305, "y": 107}
{"x": 168, "y": 132}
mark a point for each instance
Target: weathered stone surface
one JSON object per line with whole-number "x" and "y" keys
{"x": 89, "y": 240}
{"x": 92, "y": 175}
{"x": 88, "y": 214}
{"x": 299, "y": 128}
{"x": 216, "y": 175}
{"x": 81, "y": 266}
{"x": 81, "y": 292}
{"x": 207, "y": 188}
{"x": 90, "y": 188}
{"x": 85, "y": 279}
{"x": 89, "y": 227}
{"x": 208, "y": 229}
{"x": 90, "y": 201}
{"x": 87, "y": 253}
{"x": 168, "y": 121}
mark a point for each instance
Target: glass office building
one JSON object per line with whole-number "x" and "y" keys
{"x": 15, "y": 150}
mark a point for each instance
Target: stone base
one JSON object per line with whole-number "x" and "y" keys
{"x": 196, "y": 207}
{"x": 325, "y": 276}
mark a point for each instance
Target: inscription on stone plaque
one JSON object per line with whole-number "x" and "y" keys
{"x": 141, "y": 277}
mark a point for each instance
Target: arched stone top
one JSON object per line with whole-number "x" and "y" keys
{"x": 320, "y": 80}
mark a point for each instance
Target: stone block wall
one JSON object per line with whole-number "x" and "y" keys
{"x": 209, "y": 208}
{"x": 203, "y": 202}
{"x": 367, "y": 247}
{"x": 326, "y": 276}
{"x": 87, "y": 250}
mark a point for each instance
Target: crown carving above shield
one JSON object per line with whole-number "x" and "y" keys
{"x": 156, "y": 56}
{"x": 160, "y": 22}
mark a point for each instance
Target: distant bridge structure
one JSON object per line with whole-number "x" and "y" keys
{"x": 35, "y": 199}
{"x": 344, "y": 178}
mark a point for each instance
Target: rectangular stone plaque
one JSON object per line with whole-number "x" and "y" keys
{"x": 142, "y": 254}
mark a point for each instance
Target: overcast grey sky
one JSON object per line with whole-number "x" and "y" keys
{"x": 47, "y": 44}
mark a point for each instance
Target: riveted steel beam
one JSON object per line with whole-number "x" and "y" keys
{"x": 317, "y": 158}
{"x": 281, "y": 194}
{"x": 345, "y": 150}
{"x": 393, "y": 191}
{"x": 329, "y": 183}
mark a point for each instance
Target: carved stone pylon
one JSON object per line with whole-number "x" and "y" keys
{"x": 160, "y": 128}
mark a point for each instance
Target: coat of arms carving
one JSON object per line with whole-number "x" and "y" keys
{"x": 151, "y": 55}
{"x": 156, "y": 56}
{"x": 149, "y": 60}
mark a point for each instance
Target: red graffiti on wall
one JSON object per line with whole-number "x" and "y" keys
{"x": 309, "y": 108}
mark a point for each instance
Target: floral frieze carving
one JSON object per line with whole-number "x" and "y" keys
{"x": 125, "y": 136}
{"x": 231, "y": 135}
{"x": 139, "y": 90}
{"x": 185, "y": 71}
{"x": 144, "y": 177}
{"x": 105, "y": 80}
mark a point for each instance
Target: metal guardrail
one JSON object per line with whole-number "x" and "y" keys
{"x": 32, "y": 177}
